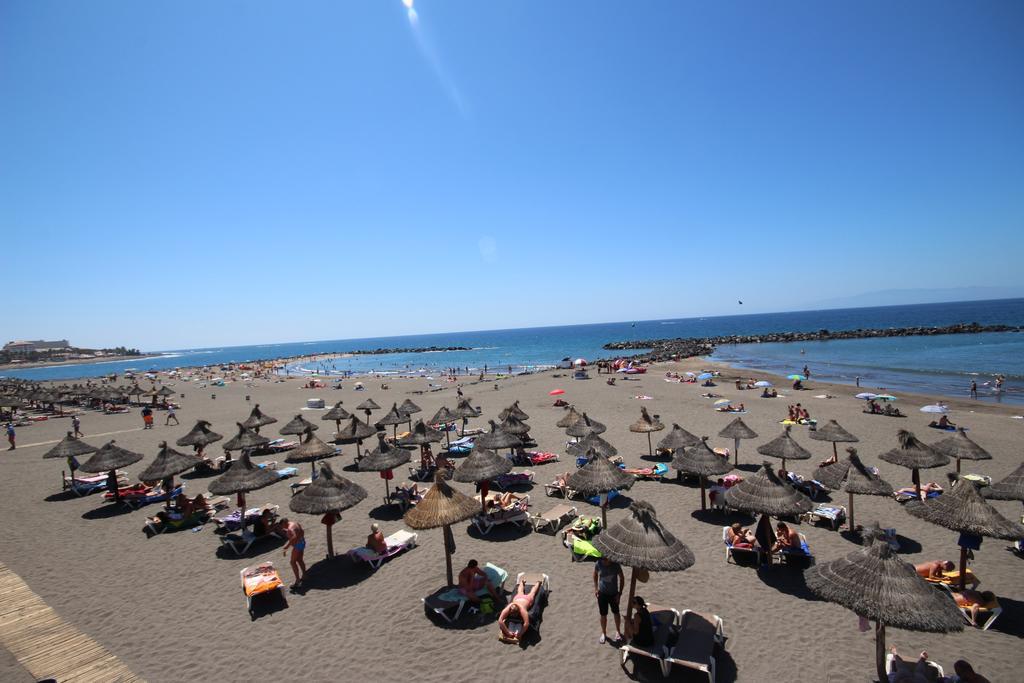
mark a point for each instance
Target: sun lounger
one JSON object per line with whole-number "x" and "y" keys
{"x": 556, "y": 489}
{"x": 286, "y": 472}
{"x": 987, "y": 614}
{"x": 463, "y": 445}
{"x": 403, "y": 497}
{"x": 134, "y": 498}
{"x": 731, "y": 550}
{"x": 450, "y": 603}
{"x": 397, "y": 542}
{"x": 475, "y": 431}
{"x": 788, "y": 556}
{"x": 835, "y": 515}
{"x": 609, "y": 497}
{"x": 553, "y": 519}
{"x": 577, "y": 538}
{"x": 699, "y": 635}
{"x": 951, "y": 579}
{"x": 616, "y": 460}
{"x": 259, "y": 580}
{"x": 83, "y": 486}
{"x": 931, "y": 671}
{"x": 533, "y": 458}
{"x": 232, "y": 521}
{"x": 810, "y": 487}
{"x": 516, "y": 514}
{"x": 506, "y": 481}
{"x": 903, "y": 497}
{"x": 241, "y": 542}
{"x": 170, "y": 523}
{"x": 275, "y": 446}
{"x": 655, "y": 473}
{"x": 664, "y": 621}
{"x": 514, "y": 623}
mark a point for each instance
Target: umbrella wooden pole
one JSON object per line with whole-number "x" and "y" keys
{"x": 736, "y": 452}
{"x": 627, "y": 627}
{"x": 330, "y": 540}
{"x": 958, "y": 465}
{"x": 448, "y": 556}
{"x": 703, "y": 504}
{"x": 963, "y": 567}
{"x": 852, "y": 525}
{"x": 241, "y": 516}
{"x": 604, "y": 510}
{"x": 880, "y": 652}
{"x": 650, "y": 448}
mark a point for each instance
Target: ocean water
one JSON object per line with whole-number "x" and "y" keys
{"x": 941, "y": 365}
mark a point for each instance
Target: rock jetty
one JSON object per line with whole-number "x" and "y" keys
{"x": 666, "y": 349}
{"x": 420, "y": 349}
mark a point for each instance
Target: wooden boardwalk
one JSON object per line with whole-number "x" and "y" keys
{"x": 48, "y": 646}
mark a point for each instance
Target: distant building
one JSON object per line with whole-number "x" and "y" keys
{"x": 40, "y": 346}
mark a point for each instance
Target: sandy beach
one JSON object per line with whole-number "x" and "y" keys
{"x": 171, "y": 608}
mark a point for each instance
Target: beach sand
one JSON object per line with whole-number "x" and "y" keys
{"x": 171, "y": 607}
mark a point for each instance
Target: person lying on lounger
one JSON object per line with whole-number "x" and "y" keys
{"x": 972, "y": 601}
{"x": 740, "y": 537}
{"x": 503, "y": 501}
{"x": 934, "y": 569}
{"x": 186, "y": 506}
{"x": 930, "y": 487}
{"x": 519, "y": 609}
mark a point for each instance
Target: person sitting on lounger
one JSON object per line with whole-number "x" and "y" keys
{"x": 265, "y": 524}
{"x": 375, "y": 541}
{"x": 972, "y": 601}
{"x": 518, "y": 608}
{"x": 472, "y": 579}
{"x": 740, "y": 537}
{"x": 942, "y": 423}
{"x": 934, "y": 569}
{"x": 408, "y": 491}
{"x": 640, "y": 626}
{"x": 188, "y": 506}
{"x": 787, "y": 539}
{"x": 905, "y": 672}
{"x": 561, "y": 481}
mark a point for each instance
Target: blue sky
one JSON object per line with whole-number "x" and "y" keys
{"x": 193, "y": 173}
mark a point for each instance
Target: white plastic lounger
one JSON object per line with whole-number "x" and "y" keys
{"x": 699, "y": 634}
{"x": 518, "y": 514}
{"x": 397, "y": 542}
{"x": 554, "y": 519}
{"x": 450, "y": 603}
{"x": 240, "y": 543}
{"x": 892, "y": 667}
{"x": 731, "y": 550}
{"x": 664, "y": 621}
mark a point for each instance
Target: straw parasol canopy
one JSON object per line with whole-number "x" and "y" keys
{"x": 737, "y": 430}
{"x": 515, "y": 411}
{"x": 393, "y": 417}
{"x": 409, "y": 408}
{"x": 641, "y": 542}
{"x": 915, "y": 456}
{"x": 442, "y": 507}
{"x": 833, "y": 432}
{"x": 110, "y": 457}
{"x": 570, "y": 418}
{"x": 336, "y": 413}
{"x": 70, "y": 447}
{"x": 465, "y": 411}
{"x": 597, "y": 477}
{"x": 257, "y": 419}
{"x": 497, "y": 438}
{"x": 200, "y": 436}
{"x": 328, "y": 494}
{"x": 513, "y": 425}
{"x": 766, "y": 494}
{"x": 854, "y": 477}
{"x": 876, "y": 584}
{"x": 645, "y": 425}
{"x": 242, "y": 476}
{"x": 298, "y": 425}
{"x": 785, "y": 448}
{"x": 421, "y": 435}
{"x": 1010, "y": 488}
{"x": 591, "y": 442}
{"x": 310, "y": 450}
{"x": 443, "y": 416}
{"x": 678, "y": 438}
{"x": 585, "y": 425}
{"x": 703, "y": 462}
{"x": 168, "y": 462}
{"x": 354, "y": 432}
{"x": 246, "y": 438}
{"x": 960, "y": 447}
{"x": 481, "y": 466}
{"x": 162, "y": 391}
{"x": 384, "y": 458}
{"x": 367, "y": 406}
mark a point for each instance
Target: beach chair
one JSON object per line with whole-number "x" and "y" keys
{"x": 157, "y": 526}
{"x": 402, "y": 496}
{"x": 450, "y": 602}
{"x": 83, "y": 486}
{"x": 556, "y": 489}
{"x": 505, "y": 481}
{"x": 731, "y": 550}
{"x": 790, "y": 556}
{"x": 932, "y": 671}
{"x": 259, "y": 580}
{"x": 240, "y": 543}
{"x": 951, "y": 579}
{"x": 664, "y": 620}
{"x": 232, "y": 521}
{"x": 810, "y": 487}
{"x": 514, "y": 623}
{"x": 835, "y": 515}
{"x": 699, "y": 635}
{"x": 987, "y": 614}
{"x": 553, "y": 519}
{"x": 287, "y": 472}
{"x": 577, "y": 538}
{"x": 516, "y": 514}
{"x": 596, "y": 499}
{"x": 655, "y": 473}
{"x": 137, "y": 498}
{"x": 397, "y": 542}
{"x": 532, "y": 458}
{"x": 463, "y": 445}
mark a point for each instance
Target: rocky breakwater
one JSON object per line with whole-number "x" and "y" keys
{"x": 666, "y": 349}
{"x": 420, "y": 349}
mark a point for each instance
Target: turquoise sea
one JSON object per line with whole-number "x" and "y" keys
{"x": 942, "y": 365}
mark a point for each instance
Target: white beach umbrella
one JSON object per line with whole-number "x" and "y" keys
{"x": 866, "y": 396}
{"x": 763, "y": 384}
{"x": 935, "y": 408}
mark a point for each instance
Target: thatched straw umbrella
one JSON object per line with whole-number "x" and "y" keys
{"x": 367, "y": 406}
{"x": 298, "y": 425}
{"x": 515, "y": 411}
{"x": 513, "y": 425}
{"x": 645, "y": 425}
{"x": 585, "y": 425}
{"x": 641, "y": 542}
{"x": 310, "y": 450}
{"x": 246, "y": 439}
{"x": 109, "y": 458}
{"x": 1010, "y": 488}
{"x": 328, "y": 494}
{"x": 421, "y": 435}
{"x": 444, "y": 417}
{"x": 784, "y": 447}
{"x": 384, "y": 458}
{"x": 736, "y": 430}
{"x": 597, "y": 478}
{"x": 854, "y": 477}
{"x": 591, "y": 442}
{"x": 136, "y": 391}
{"x": 570, "y": 417}
{"x": 465, "y": 411}
{"x": 677, "y": 438}
{"x": 702, "y": 461}
{"x": 960, "y": 447}
{"x": 167, "y": 463}
{"x": 200, "y": 437}
{"x": 394, "y": 417}
{"x": 915, "y": 456}
{"x": 767, "y": 495}
{"x": 408, "y": 408}
{"x": 833, "y": 432}
{"x": 876, "y": 584}
{"x": 354, "y": 432}
{"x": 336, "y": 413}
{"x": 70, "y": 448}
{"x": 242, "y": 477}
{"x": 497, "y": 438}
{"x": 480, "y": 467}
{"x": 961, "y": 508}
{"x": 442, "y": 507}
{"x": 257, "y": 419}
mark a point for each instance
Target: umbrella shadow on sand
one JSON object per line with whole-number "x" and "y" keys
{"x": 61, "y": 496}
{"x": 646, "y": 670}
{"x": 107, "y": 511}
{"x": 788, "y": 580}
{"x": 263, "y": 546}
{"x": 748, "y": 467}
{"x": 906, "y": 545}
{"x": 1011, "y": 621}
{"x": 468, "y": 620}
{"x": 719, "y": 518}
{"x": 501, "y": 533}
{"x": 386, "y": 513}
{"x": 333, "y": 573}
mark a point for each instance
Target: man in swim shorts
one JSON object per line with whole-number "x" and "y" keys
{"x": 608, "y": 583}
{"x": 297, "y": 542}
{"x": 472, "y": 579}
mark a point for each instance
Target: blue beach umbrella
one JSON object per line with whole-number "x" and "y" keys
{"x": 705, "y": 375}
{"x": 885, "y": 397}
{"x": 867, "y": 396}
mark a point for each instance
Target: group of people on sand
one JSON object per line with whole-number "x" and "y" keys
{"x": 798, "y": 414}
{"x": 889, "y": 409}
{"x": 730, "y": 408}
{"x": 787, "y": 539}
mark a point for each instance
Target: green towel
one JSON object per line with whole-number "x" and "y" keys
{"x": 585, "y": 548}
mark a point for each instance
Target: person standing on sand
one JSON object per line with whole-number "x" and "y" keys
{"x": 608, "y": 584}
{"x": 10, "y": 436}
{"x": 171, "y": 416}
{"x": 974, "y": 389}
{"x": 858, "y": 380}
{"x": 76, "y": 425}
{"x": 297, "y": 542}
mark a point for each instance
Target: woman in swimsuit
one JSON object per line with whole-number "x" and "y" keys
{"x": 520, "y": 607}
